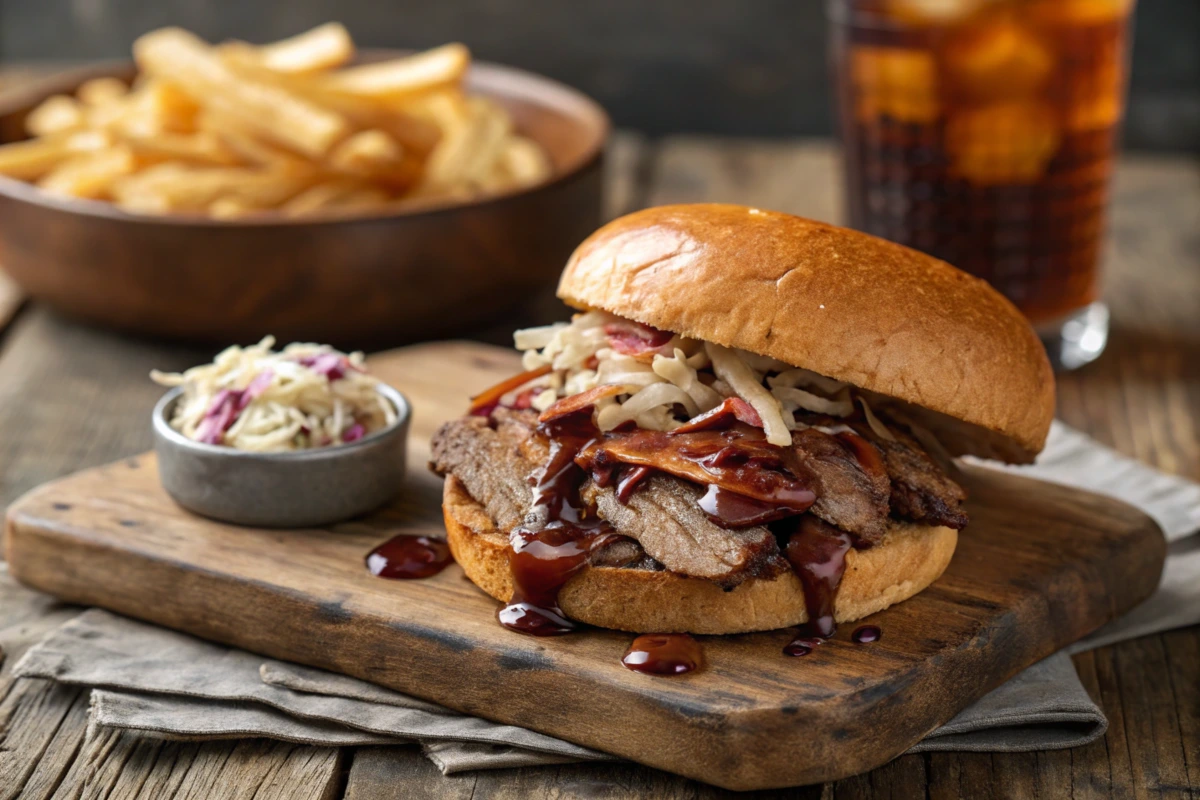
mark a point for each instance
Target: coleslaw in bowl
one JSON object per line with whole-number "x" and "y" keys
{"x": 255, "y": 439}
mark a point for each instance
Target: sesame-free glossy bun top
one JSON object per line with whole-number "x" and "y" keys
{"x": 931, "y": 342}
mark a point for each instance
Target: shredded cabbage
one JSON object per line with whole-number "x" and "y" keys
{"x": 257, "y": 399}
{"x": 731, "y": 367}
{"x": 662, "y": 391}
{"x": 792, "y": 399}
{"x": 880, "y": 429}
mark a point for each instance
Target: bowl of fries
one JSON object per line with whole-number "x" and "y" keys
{"x": 302, "y": 188}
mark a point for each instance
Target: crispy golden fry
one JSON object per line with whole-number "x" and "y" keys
{"x": 230, "y": 208}
{"x": 164, "y": 108}
{"x": 445, "y": 109}
{"x": 336, "y": 194}
{"x": 248, "y": 148}
{"x": 31, "y": 160}
{"x": 241, "y": 129}
{"x": 423, "y": 72}
{"x": 175, "y": 187}
{"x": 271, "y": 111}
{"x": 375, "y": 155}
{"x": 152, "y": 108}
{"x": 90, "y": 175}
{"x": 101, "y": 91}
{"x": 55, "y": 115}
{"x": 321, "y": 48}
{"x": 523, "y": 162}
{"x": 466, "y": 154}
{"x": 201, "y": 149}
{"x": 416, "y": 135}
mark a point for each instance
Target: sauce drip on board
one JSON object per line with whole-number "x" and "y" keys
{"x": 407, "y": 556}
{"x": 664, "y": 654}
{"x": 866, "y": 634}
{"x": 817, "y": 552}
{"x": 559, "y": 535}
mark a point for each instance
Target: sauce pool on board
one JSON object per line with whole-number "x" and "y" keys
{"x": 817, "y": 552}
{"x": 407, "y": 556}
{"x": 866, "y": 634}
{"x": 664, "y": 654}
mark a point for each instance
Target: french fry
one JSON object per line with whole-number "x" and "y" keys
{"x": 336, "y": 194}
{"x": 167, "y": 108}
{"x": 178, "y": 56}
{"x": 414, "y": 134}
{"x": 252, "y": 151}
{"x": 153, "y": 107}
{"x": 522, "y": 163}
{"x": 175, "y": 187}
{"x": 101, "y": 91}
{"x": 375, "y": 155}
{"x": 201, "y": 149}
{"x": 239, "y": 129}
{"x": 321, "y": 48}
{"x": 446, "y": 109}
{"x": 229, "y": 208}
{"x": 423, "y": 72}
{"x": 55, "y": 115}
{"x": 90, "y": 175}
{"x": 466, "y": 154}
{"x": 32, "y": 159}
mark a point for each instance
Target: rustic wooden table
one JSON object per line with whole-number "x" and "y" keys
{"x": 72, "y": 397}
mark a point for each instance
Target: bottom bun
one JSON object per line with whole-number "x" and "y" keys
{"x": 909, "y": 558}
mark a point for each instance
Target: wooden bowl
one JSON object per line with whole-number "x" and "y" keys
{"x": 383, "y": 278}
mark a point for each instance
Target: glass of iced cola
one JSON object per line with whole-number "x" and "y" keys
{"x": 984, "y": 133}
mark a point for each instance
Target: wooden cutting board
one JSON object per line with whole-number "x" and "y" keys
{"x": 1039, "y": 567}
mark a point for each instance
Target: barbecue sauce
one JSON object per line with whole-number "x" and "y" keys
{"x": 866, "y": 634}
{"x": 664, "y": 654}
{"x": 817, "y": 553}
{"x": 560, "y": 533}
{"x": 732, "y": 510}
{"x": 737, "y": 459}
{"x": 867, "y": 455}
{"x": 749, "y": 482}
{"x": 407, "y": 556}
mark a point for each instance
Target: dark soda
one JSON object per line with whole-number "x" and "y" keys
{"x": 984, "y": 133}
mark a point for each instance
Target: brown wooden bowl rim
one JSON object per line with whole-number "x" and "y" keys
{"x": 538, "y": 88}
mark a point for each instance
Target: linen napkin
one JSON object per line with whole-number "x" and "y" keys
{"x": 171, "y": 684}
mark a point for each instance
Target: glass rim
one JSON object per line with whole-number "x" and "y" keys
{"x": 843, "y": 12}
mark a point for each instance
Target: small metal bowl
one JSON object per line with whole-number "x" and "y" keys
{"x": 304, "y": 488}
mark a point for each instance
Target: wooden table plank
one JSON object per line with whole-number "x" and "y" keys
{"x": 117, "y": 764}
{"x": 72, "y": 396}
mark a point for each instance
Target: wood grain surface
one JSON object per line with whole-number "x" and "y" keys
{"x": 1039, "y": 566}
{"x": 72, "y": 397}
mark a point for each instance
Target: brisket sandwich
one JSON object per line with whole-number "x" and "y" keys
{"x": 750, "y": 424}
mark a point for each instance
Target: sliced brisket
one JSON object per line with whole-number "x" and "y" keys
{"x": 664, "y": 516}
{"x": 495, "y": 464}
{"x": 851, "y": 497}
{"x": 921, "y": 491}
{"x": 490, "y": 465}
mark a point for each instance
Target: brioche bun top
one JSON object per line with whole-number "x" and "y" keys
{"x": 933, "y": 343}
